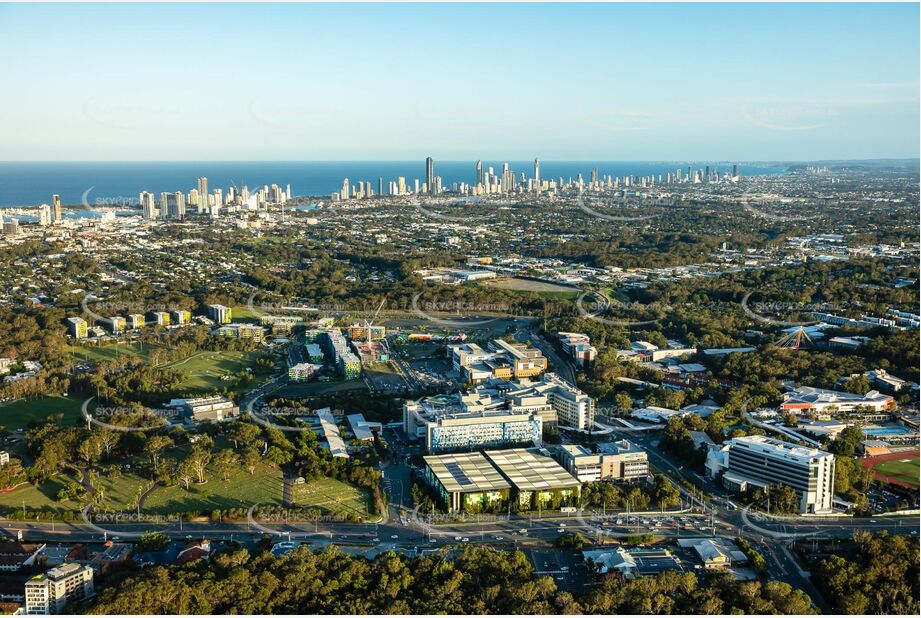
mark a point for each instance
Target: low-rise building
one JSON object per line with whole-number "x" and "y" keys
{"x": 206, "y": 409}
{"x": 806, "y": 399}
{"x": 465, "y": 480}
{"x": 615, "y": 461}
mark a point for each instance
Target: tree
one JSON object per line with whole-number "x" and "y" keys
{"x": 152, "y": 541}
{"x": 224, "y": 463}
{"x": 250, "y": 460}
{"x": 198, "y": 459}
{"x": 664, "y": 492}
{"x": 155, "y": 445}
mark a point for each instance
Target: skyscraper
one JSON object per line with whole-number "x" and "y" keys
{"x": 344, "y": 193}
{"x": 44, "y": 215}
{"x": 380, "y": 185}
{"x": 56, "y": 206}
{"x": 430, "y": 175}
{"x": 479, "y": 173}
{"x": 537, "y": 172}
{"x": 148, "y": 205}
{"x": 202, "y": 195}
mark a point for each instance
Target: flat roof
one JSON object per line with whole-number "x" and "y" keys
{"x": 531, "y": 471}
{"x": 465, "y": 472}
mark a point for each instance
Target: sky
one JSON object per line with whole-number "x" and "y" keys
{"x": 617, "y": 82}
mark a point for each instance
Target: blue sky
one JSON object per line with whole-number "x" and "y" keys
{"x": 509, "y": 81}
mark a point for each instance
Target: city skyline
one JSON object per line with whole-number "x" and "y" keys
{"x": 585, "y": 82}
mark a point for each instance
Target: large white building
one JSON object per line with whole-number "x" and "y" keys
{"x": 48, "y": 593}
{"x": 757, "y": 461}
{"x": 449, "y": 427}
{"x": 807, "y": 399}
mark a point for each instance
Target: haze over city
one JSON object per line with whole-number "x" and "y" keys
{"x": 460, "y": 82}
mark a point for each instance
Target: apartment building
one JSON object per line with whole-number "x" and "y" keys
{"x": 77, "y": 327}
{"x": 50, "y": 592}
{"x": 220, "y": 314}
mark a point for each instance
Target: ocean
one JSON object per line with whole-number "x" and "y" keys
{"x": 94, "y": 184}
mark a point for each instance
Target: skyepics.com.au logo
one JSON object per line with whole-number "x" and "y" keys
{"x": 771, "y": 208}
{"x": 622, "y": 214}
{"x": 104, "y": 310}
{"x": 129, "y": 419}
{"x": 459, "y": 209}
{"x": 596, "y": 305}
{"x": 783, "y": 313}
{"x": 457, "y": 314}
{"x": 112, "y": 201}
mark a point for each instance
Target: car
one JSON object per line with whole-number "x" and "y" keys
{"x": 465, "y": 540}
{"x": 376, "y": 540}
{"x": 523, "y": 531}
{"x": 395, "y": 536}
{"x": 457, "y": 538}
{"x": 561, "y": 530}
{"x": 562, "y": 525}
{"x": 499, "y": 538}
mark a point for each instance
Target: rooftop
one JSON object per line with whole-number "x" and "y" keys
{"x": 465, "y": 472}
{"x": 530, "y": 470}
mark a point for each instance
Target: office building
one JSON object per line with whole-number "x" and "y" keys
{"x": 161, "y": 318}
{"x": 578, "y": 347}
{"x": 756, "y": 461}
{"x": 443, "y": 424}
{"x": 182, "y": 316}
{"x": 77, "y": 327}
{"x": 49, "y": 593}
{"x": 615, "y": 461}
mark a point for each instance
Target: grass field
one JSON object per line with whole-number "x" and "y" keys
{"x": 331, "y": 496}
{"x": 16, "y": 415}
{"x": 240, "y": 491}
{"x": 121, "y": 492}
{"x": 40, "y": 498}
{"x": 86, "y": 354}
{"x": 905, "y": 469}
{"x": 206, "y": 371}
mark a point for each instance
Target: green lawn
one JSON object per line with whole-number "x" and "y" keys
{"x": 121, "y": 491}
{"x": 206, "y": 372}
{"x": 902, "y": 469}
{"x": 40, "y": 498}
{"x": 16, "y": 415}
{"x": 240, "y": 491}
{"x": 87, "y": 354}
{"x": 331, "y": 496}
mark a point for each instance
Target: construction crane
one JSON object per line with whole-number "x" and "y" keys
{"x": 370, "y": 323}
